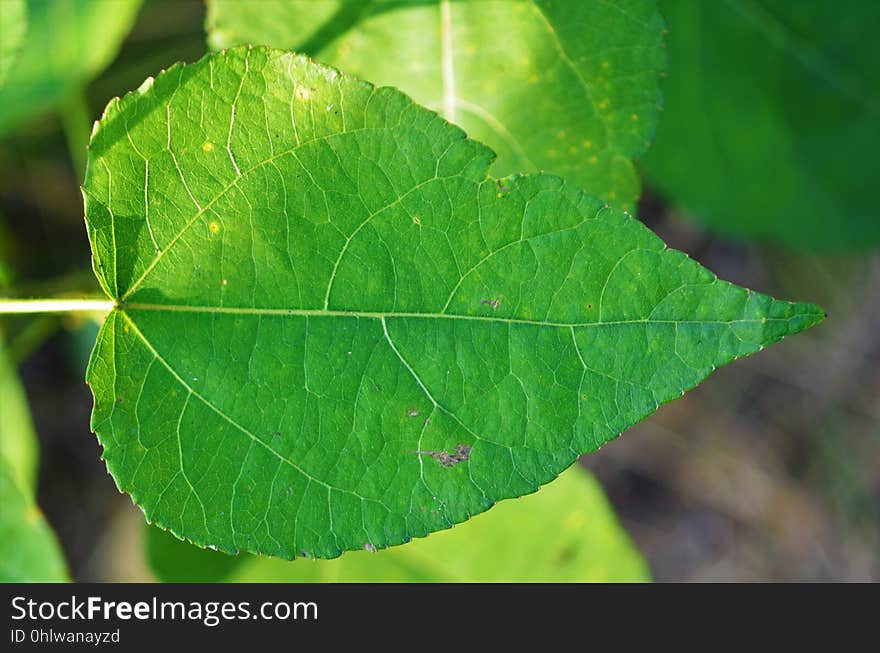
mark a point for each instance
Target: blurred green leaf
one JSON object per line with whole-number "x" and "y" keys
{"x": 18, "y": 441}
{"x": 68, "y": 42}
{"x": 177, "y": 561}
{"x": 565, "y": 532}
{"x": 772, "y": 120}
{"x": 281, "y": 23}
{"x": 29, "y": 552}
{"x": 13, "y": 25}
{"x": 567, "y": 87}
{"x": 334, "y": 328}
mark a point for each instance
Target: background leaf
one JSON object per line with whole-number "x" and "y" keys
{"x": 335, "y": 330}
{"x": 13, "y": 25}
{"x": 68, "y": 42}
{"x": 567, "y": 87}
{"x": 770, "y": 128}
{"x": 176, "y": 561}
{"x": 28, "y": 549}
{"x": 18, "y": 442}
{"x": 565, "y": 532}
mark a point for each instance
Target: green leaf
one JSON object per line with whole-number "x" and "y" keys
{"x": 565, "y": 532}
{"x": 19, "y": 450}
{"x": 175, "y": 561}
{"x": 282, "y": 23}
{"x": 68, "y": 42}
{"x": 567, "y": 87}
{"x": 770, "y": 128}
{"x": 334, "y": 329}
{"x": 28, "y": 549}
{"x": 29, "y": 552}
{"x": 13, "y": 25}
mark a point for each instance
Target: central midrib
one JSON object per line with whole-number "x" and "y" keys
{"x": 379, "y": 315}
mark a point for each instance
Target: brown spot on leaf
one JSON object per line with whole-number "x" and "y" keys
{"x": 494, "y": 303}
{"x": 461, "y": 453}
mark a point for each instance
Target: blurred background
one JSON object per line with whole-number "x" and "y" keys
{"x": 769, "y": 470}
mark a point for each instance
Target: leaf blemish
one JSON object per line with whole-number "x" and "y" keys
{"x": 494, "y": 303}
{"x": 461, "y": 453}
{"x": 413, "y": 412}
{"x": 213, "y": 227}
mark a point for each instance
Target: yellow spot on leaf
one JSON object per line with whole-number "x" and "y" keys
{"x": 588, "y": 145}
{"x": 208, "y": 146}
{"x": 594, "y": 159}
{"x": 213, "y": 227}
{"x": 416, "y": 220}
{"x": 302, "y": 93}
{"x": 603, "y": 104}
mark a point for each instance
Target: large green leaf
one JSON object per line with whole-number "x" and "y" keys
{"x": 567, "y": 87}
{"x": 565, "y": 532}
{"x": 13, "y": 24}
{"x": 771, "y": 121}
{"x": 68, "y": 42}
{"x": 334, "y": 329}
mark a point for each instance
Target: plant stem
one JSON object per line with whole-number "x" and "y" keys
{"x": 76, "y": 116}
{"x": 55, "y": 305}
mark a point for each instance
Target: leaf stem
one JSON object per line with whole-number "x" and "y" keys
{"x": 19, "y": 306}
